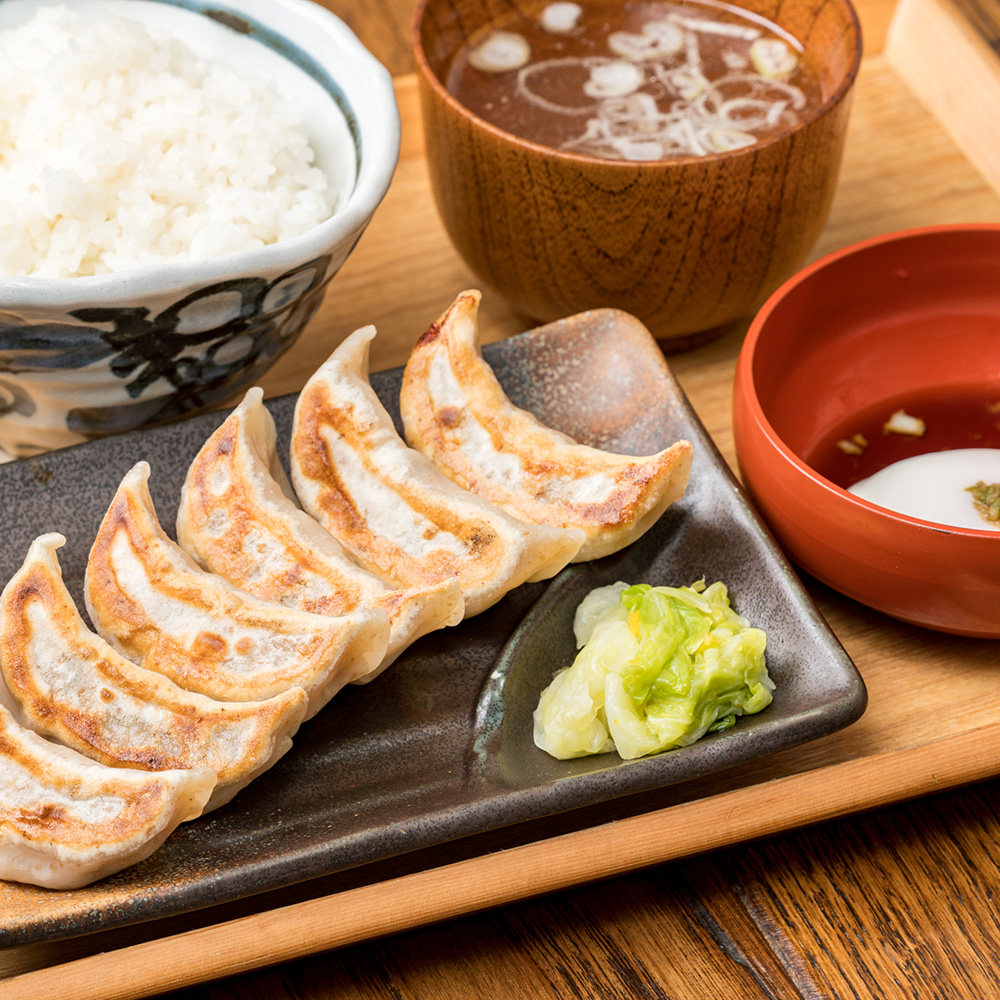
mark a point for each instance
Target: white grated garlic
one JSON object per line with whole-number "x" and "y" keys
{"x": 902, "y": 423}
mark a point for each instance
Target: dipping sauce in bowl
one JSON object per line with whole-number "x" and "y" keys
{"x": 933, "y": 453}
{"x": 880, "y": 364}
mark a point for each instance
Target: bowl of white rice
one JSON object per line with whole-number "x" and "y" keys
{"x": 179, "y": 181}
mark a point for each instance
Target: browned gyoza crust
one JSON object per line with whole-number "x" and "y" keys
{"x": 457, "y": 414}
{"x": 237, "y": 519}
{"x": 66, "y": 821}
{"x": 68, "y": 683}
{"x": 389, "y": 506}
{"x": 156, "y": 606}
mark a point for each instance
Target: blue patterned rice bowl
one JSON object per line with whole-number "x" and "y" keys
{"x": 85, "y": 357}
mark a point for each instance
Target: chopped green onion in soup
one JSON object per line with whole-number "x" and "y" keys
{"x": 707, "y": 78}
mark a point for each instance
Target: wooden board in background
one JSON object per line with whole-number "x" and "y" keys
{"x": 948, "y": 53}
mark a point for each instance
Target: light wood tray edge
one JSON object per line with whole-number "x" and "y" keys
{"x": 437, "y": 894}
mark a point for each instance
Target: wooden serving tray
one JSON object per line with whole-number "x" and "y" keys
{"x": 930, "y": 695}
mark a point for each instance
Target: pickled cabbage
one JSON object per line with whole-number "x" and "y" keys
{"x": 658, "y": 667}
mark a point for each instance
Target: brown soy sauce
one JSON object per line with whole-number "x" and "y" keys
{"x": 964, "y": 416}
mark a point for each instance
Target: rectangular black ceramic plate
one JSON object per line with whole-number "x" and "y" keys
{"x": 439, "y": 747}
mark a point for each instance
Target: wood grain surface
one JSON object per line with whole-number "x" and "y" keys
{"x": 892, "y": 905}
{"x": 895, "y": 902}
{"x": 948, "y": 53}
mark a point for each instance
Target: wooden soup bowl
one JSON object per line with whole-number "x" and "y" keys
{"x": 688, "y": 245}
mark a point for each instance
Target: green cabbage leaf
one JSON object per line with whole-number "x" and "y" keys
{"x": 657, "y": 668}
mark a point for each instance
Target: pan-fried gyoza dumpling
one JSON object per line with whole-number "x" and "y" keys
{"x": 152, "y": 602}
{"x": 455, "y": 412}
{"x": 71, "y": 685}
{"x": 237, "y": 519}
{"x": 66, "y": 821}
{"x": 387, "y": 504}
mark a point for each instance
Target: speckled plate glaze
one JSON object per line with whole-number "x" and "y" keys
{"x": 439, "y": 747}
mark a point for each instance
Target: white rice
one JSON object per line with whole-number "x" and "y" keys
{"x": 120, "y": 149}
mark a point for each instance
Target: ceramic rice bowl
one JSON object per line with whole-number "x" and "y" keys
{"x": 85, "y": 357}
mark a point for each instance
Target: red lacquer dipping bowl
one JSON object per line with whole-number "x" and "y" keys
{"x": 910, "y": 316}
